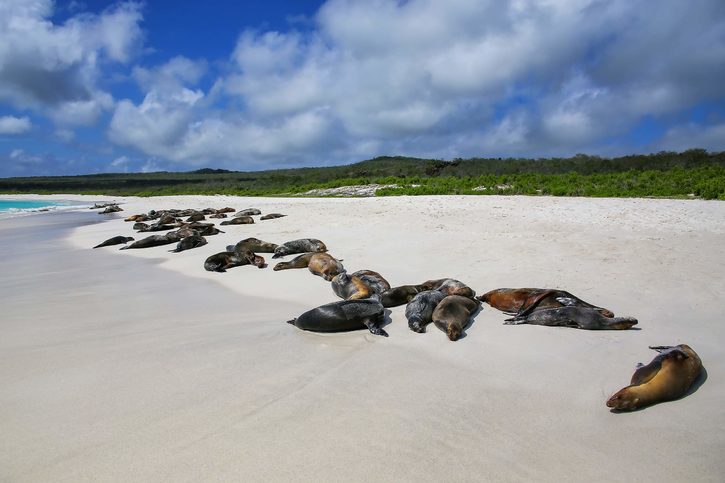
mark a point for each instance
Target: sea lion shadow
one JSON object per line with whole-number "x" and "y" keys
{"x": 693, "y": 389}
{"x": 470, "y": 322}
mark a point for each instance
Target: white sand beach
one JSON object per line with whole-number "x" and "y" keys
{"x": 139, "y": 365}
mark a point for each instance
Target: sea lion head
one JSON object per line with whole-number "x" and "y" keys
{"x": 624, "y": 400}
{"x": 620, "y": 323}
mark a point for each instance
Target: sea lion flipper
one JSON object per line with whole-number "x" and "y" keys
{"x": 372, "y": 325}
{"x": 645, "y": 373}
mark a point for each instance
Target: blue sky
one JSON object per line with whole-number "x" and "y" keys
{"x": 100, "y": 86}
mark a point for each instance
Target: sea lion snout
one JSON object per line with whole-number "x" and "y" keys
{"x": 623, "y": 401}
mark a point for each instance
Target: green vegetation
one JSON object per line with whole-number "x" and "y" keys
{"x": 666, "y": 174}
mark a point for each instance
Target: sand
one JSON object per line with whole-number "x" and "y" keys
{"x": 139, "y": 365}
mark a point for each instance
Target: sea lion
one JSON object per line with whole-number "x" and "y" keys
{"x": 196, "y": 217}
{"x": 157, "y": 227}
{"x": 188, "y": 242}
{"x": 272, "y": 216}
{"x": 225, "y": 210}
{"x": 419, "y": 311}
{"x": 239, "y": 220}
{"x": 451, "y": 315}
{"x": 254, "y": 244}
{"x": 204, "y": 229}
{"x": 449, "y": 286}
{"x": 111, "y": 209}
{"x": 303, "y": 245}
{"x": 343, "y": 316}
{"x": 325, "y": 266}
{"x": 116, "y": 240}
{"x": 400, "y": 295}
{"x": 249, "y": 212}
{"x": 218, "y": 215}
{"x": 222, "y": 261}
{"x": 140, "y": 226}
{"x": 167, "y": 219}
{"x": 522, "y": 301}
{"x": 374, "y": 279}
{"x": 141, "y": 217}
{"x": 101, "y": 205}
{"x": 575, "y": 317}
{"x": 300, "y": 261}
{"x": 154, "y": 241}
{"x": 667, "y": 377}
{"x": 350, "y": 288}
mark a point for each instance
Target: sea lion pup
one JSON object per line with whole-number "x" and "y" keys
{"x": 111, "y": 209}
{"x": 272, "y": 216}
{"x": 141, "y": 217}
{"x": 254, "y": 244}
{"x": 449, "y": 286}
{"x": 218, "y": 215}
{"x": 522, "y": 301}
{"x": 190, "y": 241}
{"x": 576, "y": 317}
{"x": 239, "y": 220}
{"x": 116, "y": 240}
{"x": 349, "y": 287}
{"x": 419, "y": 311}
{"x": 154, "y": 241}
{"x": 342, "y": 316}
{"x": 249, "y": 212}
{"x": 400, "y": 295}
{"x": 196, "y": 217}
{"x": 303, "y": 245}
{"x": 220, "y": 262}
{"x": 374, "y": 279}
{"x": 667, "y": 377}
{"x": 451, "y": 315}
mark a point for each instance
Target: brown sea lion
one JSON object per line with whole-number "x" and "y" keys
{"x": 575, "y": 317}
{"x": 374, "y": 279}
{"x": 226, "y": 210}
{"x": 325, "y": 266}
{"x": 350, "y": 288}
{"x": 449, "y": 286}
{"x": 221, "y": 262}
{"x": 196, "y": 217}
{"x": 141, "y": 217}
{"x": 669, "y": 376}
{"x": 239, "y": 220}
{"x": 154, "y": 241}
{"x": 218, "y": 215}
{"x": 343, "y": 316}
{"x": 452, "y": 314}
{"x": 401, "y": 295}
{"x": 188, "y": 242}
{"x": 300, "y": 261}
{"x": 521, "y": 301}
{"x": 204, "y": 229}
{"x": 272, "y": 216}
{"x": 254, "y": 244}
{"x": 116, "y": 240}
{"x": 419, "y": 311}
{"x": 303, "y": 245}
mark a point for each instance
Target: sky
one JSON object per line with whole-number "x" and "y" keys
{"x": 102, "y": 86}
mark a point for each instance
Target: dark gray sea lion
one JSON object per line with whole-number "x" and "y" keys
{"x": 167, "y": 219}
{"x": 348, "y": 287}
{"x": 196, "y": 217}
{"x": 221, "y": 262}
{"x": 374, "y": 279}
{"x": 192, "y": 241}
{"x": 452, "y": 314}
{"x": 157, "y": 227}
{"x": 254, "y": 244}
{"x": 98, "y": 206}
{"x": 522, "y": 301}
{"x": 239, "y": 220}
{"x": 343, "y": 316}
{"x": 575, "y": 317}
{"x": 669, "y": 376}
{"x": 449, "y": 286}
{"x": 116, "y": 240}
{"x": 303, "y": 245}
{"x": 218, "y": 215}
{"x": 400, "y": 295}
{"x": 419, "y": 311}
{"x": 208, "y": 211}
{"x": 204, "y": 229}
{"x": 154, "y": 241}
{"x": 140, "y": 226}
{"x": 225, "y": 210}
{"x": 272, "y": 216}
{"x": 249, "y": 212}
{"x": 111, "y": 209}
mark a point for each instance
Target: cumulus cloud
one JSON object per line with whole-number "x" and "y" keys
{"x": 54, "y": 68}
{"x": 14, "y": 125}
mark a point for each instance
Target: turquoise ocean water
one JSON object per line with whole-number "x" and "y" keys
{"x": 17, "y": 205}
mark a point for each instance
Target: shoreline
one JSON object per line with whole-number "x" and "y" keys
{"x": 117, "y": 370}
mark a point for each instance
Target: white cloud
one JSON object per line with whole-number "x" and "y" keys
{"x": 14, "y": 125}
{"x": 692, "y": 135}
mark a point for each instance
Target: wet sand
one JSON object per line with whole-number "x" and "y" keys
{"x": 138, "y": 364}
